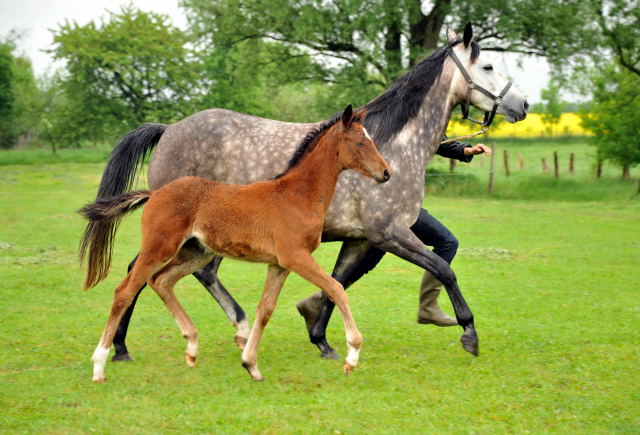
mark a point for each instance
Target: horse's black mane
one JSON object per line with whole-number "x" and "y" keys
{"x": 390, "y": 112}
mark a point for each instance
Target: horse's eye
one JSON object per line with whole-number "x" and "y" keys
{"x": 360, "y": 144}
{"x": 488, "y": 67}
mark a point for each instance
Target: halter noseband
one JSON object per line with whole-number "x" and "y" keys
{"x": 488, "y": 116}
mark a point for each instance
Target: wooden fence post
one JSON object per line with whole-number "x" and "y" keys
{"x": 571, "y": 168}
{"x": 452, "y": 164}
{"x": 545, "y": 168}
{"x": 505, "y": 156}
{"x": 599, "y": 169}
{"x": 555, "y": 164}
{"x": 521, "y": 161}
{"x": 491, "y": 166}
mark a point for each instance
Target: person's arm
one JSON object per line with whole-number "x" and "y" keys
{"x": 462, "y": 151}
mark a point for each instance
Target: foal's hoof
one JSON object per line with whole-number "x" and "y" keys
{"x": 241, "y": 341}
{"x": 348, "y": 368}
{"x": 332, "y": 354}
{"x": 121, "y": 357}
{"x": 469, "y": 341}
{"x": 253, "y": 372}
{"x": 98, "y": 380}
{"x": 190, "y": 360}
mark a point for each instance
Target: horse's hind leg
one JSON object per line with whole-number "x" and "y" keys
{"x": 356, "y": 258}
{"x": 122, "y": 353}
{"x": 208, "y": 277}
{"x": 276, "y": 276}
{"x": 304, "y": 265}
{"x": 184, "y": 263}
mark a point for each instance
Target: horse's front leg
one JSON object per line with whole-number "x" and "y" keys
{"x": 208, "y": 277}
{"x": 401, "y": 241}
{"x": 356, "y": 258}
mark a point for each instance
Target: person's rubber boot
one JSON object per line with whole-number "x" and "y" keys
{"x": 429, "y": 311}
{"x": 309, "y": 308}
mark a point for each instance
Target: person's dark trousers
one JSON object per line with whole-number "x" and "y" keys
{"x": 433, "y": 233}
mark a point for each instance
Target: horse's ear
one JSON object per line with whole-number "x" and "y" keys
{"x": 451, "y": 35}
{"x": 468, "y": 34}
{"x": 347, "y": 116}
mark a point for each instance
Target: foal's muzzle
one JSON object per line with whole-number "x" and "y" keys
{"x": 385, "y": 177}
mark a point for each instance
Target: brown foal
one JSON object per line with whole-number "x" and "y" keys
{"x": 279, "y": 222}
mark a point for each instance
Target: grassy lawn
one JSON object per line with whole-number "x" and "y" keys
{"x": 553, "y": 284}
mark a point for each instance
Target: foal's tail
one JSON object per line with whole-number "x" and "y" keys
{"x": 117, "y": 178}
{"x": 104, "y": 215}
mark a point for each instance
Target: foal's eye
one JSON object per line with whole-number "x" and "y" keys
{"x": 488, "y": 67}
{"x": 360, "y": 144}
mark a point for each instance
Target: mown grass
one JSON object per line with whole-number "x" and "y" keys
{"x": 553, "y": 285}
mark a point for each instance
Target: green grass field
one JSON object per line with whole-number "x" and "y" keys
{"x": 553, "y": 284}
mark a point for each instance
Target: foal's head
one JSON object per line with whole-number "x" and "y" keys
{"x": 356, "y": 149}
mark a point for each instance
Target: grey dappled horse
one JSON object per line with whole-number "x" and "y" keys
{"x": 408, "y": 122}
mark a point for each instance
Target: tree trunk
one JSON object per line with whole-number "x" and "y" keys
{"x": 599, "y": 169}
{"x": 425, "y": 29}
{"x": 393, "y": 49}
{"x": 625, "y": 172}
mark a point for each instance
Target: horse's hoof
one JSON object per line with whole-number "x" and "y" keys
{"x": 348, "y": 368}
{"x": 469, "y": 341}
{"x": 190, "y": 360}
{"x": 241, "y": 341}
{"x": 330, "y": 355}
{"x": 121, "y": 357}
{"x": 98, "y": 380}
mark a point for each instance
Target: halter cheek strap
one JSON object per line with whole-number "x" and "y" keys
{"x": 471, "y": 86}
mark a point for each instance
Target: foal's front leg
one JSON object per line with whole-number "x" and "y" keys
{"x": 304, "y": 265}
{"x": 276, "y": 276}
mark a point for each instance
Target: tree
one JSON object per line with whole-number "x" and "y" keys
{"x": 19, "y": 96}
{"x": 552, "y": 106}
{"x": 366, "y": 45}
{"x": 131, "y": 67}
{"x": 614, "y": 116}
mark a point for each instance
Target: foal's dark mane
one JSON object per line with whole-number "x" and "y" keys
{"x": 311, "y": 140}
{"x": 389, "y": 113}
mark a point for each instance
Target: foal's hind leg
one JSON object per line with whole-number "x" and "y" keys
{"x": 124, "y": 295}
{"x": 186, "y": 262}
{"x": 276, "y": 276}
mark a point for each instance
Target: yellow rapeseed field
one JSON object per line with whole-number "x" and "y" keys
{"x": 569, "y": 125}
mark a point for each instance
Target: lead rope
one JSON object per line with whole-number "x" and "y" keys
{"x": 469, "y": 136}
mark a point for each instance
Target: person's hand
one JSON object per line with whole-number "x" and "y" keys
{"x": 478, "y": 149}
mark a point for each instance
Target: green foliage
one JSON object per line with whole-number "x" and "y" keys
{"x": 7, "y": 96}
{"x": 614, "y": 116}
{"x": 130, "y": 68}
{"x": 20, "y": 101}
{"x": 552, "y": 106}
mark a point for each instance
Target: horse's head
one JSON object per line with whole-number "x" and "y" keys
{"x": 356, "y": 149}
{"x": 478, "y": 83}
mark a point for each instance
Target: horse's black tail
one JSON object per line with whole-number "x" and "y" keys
{"x": 118, "y": 178}
{"x": 102, "y": 213}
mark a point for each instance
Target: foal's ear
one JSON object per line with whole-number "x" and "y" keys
{"x": 468, "y": 34}
{"x": 451, "y": 35}
{"x": 347, "y": 116}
